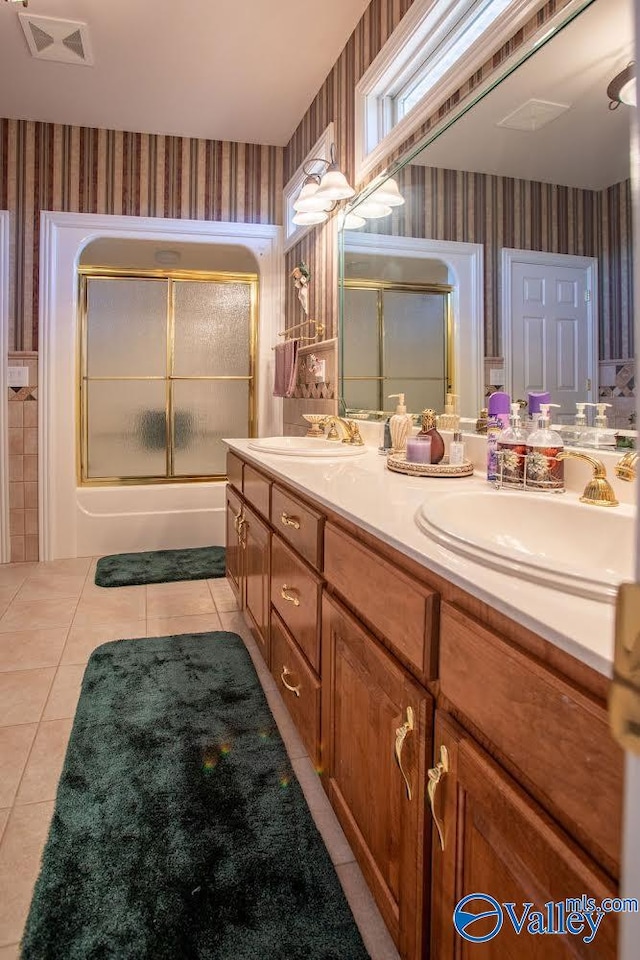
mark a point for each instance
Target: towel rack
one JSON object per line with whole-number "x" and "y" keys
{"x": 318, "y": 326}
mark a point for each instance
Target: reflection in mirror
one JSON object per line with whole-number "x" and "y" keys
{"x": 537, "y": 173}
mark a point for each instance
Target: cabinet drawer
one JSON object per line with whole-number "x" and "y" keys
{"x": 298, "y": 524}
{"x": 403, "y": 611}
{"x": 256, "y": 489}
{"x": 555, "y": 736}
{"x": 295, "y": 593}
{"x": 234, "y": 470}
{"x": 299, "y": 686}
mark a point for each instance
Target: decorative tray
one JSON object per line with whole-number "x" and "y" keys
{"x": 397, "y": 463}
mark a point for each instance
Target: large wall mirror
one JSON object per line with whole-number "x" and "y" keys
{"x": 535, "y": 176}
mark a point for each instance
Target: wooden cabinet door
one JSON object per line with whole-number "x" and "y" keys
{"x": 233, "y": 551}
{"x": 367, "y": 698}
{"x": 255, "y": 544}
{"x": 498, "y": 841}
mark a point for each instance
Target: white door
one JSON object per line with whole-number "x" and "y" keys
{"x": 549, "y": 327}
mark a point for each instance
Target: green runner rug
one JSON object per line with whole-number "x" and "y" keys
{"x": 160, "y": 566}
{"x": 180, "y": 831}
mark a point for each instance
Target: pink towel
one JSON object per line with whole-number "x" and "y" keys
{"x": 286, "y": 368}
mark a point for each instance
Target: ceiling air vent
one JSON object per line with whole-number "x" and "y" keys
{"x": 533, "y": 115}
{"x": 50, "y": 38}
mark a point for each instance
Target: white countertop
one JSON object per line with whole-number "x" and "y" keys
{"x": 362, "y": 490}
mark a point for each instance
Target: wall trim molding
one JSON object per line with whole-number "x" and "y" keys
{"x": 5, "y": 540}
{"x": 62, "y": 238}
{"x": 465, "y": 260}
{"x": 590, "y": 264}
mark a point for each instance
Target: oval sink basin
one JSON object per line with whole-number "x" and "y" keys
{"x": 305, "y": 447}
{"x": 560, "y": 543}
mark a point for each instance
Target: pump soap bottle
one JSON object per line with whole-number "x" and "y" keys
{"x": 512, "y": 444}
{"x": 400, "y": 424}
{"x": 544, "y": 471}
{"x": 428, "y": 429}
{"x": 601, "y": 436}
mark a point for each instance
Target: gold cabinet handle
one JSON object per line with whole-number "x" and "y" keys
{"x": 288, "y": 521}
{"x": 284, "y": 593}
{"x": 435, "y": 775}
{"x": 294, "y": 689}
{"x": 401, "y": 735}
{"x": 237, "y": 519}
{"x": 242, "y": 533}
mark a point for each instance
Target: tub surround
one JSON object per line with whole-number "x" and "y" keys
{"x": 365, "y": 493}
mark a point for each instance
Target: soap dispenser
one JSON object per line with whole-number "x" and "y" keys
{"x": 449, "y": 420}
{"x": 400, "y": 424}
{"x": 512, "y": 447}
{"x": 544, "y": 470}
{"x": 601, "y": 435}
{"x": 428, "y": 429}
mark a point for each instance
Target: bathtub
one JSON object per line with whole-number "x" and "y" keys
{"x": 150, "y": 517}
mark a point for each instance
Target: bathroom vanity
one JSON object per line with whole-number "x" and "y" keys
{"x": 456, "y": 714}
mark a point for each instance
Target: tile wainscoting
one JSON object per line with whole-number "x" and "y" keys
{"x": 23, "y": 461}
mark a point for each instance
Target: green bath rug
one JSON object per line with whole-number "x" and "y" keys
{"x": 160, "y": 566}
{"x": 180, "y": 831}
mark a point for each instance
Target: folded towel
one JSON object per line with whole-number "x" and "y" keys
{"x": 286, "y": 368}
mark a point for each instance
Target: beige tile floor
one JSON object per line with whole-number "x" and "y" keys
{"x": 52, "y": 616}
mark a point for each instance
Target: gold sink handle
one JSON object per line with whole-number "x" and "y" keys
{"x": 598, "y": 491}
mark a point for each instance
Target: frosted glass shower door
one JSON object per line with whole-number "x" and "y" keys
{"x": 124, "y": 387}
{"x": 167, "y": 372}
{"x": 415, "y": 347}
{"x": 212, "y": 372}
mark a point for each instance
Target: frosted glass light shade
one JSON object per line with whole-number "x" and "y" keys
{"x": 371, "y": 210}
{"x": 628, "y": 93}
{"x": 305, "y": 219}
{"x": 388, "y": 193}
{"x": 351, "y": 221}
{"x": 335, "y": 186}
{"x": 308, "y": 202}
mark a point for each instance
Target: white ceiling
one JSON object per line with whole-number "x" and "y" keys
{"x": 588, "y": 145}
{"x": 239, "y": 70}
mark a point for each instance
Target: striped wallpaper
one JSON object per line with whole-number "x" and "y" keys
{"x": 47, "y": 166}
{"x": 502, "y": 212}
{"x": 458, "y": 206}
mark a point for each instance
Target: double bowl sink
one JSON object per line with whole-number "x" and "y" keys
{"x": 548, "y": 539}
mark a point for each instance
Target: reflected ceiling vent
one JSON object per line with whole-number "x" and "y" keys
{"x": 533, "y": 115}
{"x": 50, "y": 38}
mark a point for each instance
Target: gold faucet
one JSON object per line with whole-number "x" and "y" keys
{"x": 626, "y": 466}
{"x": 350, "y": 427}
{"x": 598, "y": 491}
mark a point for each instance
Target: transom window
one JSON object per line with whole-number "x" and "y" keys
{"x": 420, "y": 66}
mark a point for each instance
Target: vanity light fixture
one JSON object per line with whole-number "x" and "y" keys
{"x": 622, "y": 88}
{"x": 25, "y": 3}
{"x": 372, "y": 209}
{"x": 321, "y": 190}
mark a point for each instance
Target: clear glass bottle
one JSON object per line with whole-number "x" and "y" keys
{"x": 544, "y": 470}
{"x": 456, "y": 450}
{"x": 512, "y": 448}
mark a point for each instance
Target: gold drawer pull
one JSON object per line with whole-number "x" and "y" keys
{"x": 287, "y": 596}
{"x": 401, "y": 735}
{"x": 237, "y": 519}
{"x": 294, "y": 689}
{"x": 288, "y": 521}
{"x": 435, "y": 775}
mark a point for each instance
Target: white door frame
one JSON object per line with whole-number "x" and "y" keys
{"x": 465, "y": 262}
{"x": 590, "y": 265}
{"x": 5, "y": 541}
{"x": 63, "y": 236}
